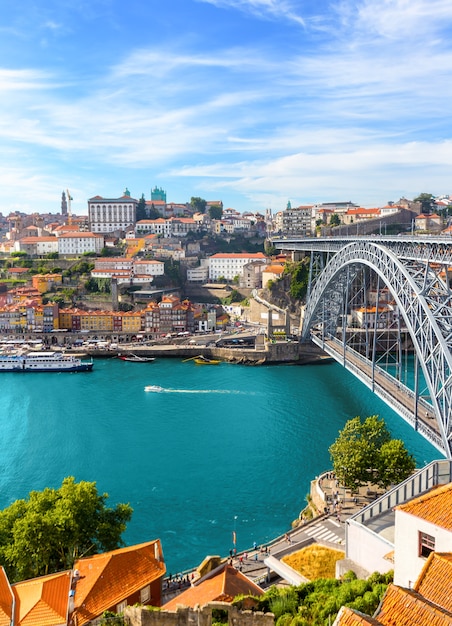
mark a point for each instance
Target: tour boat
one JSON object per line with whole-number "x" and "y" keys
{"x": 43, "y": 362}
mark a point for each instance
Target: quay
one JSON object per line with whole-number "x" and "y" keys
{"x": 268, "y": 353}
{"x": 263, "y": 563}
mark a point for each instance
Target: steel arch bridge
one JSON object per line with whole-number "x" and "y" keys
{"x": 423, "y": 298}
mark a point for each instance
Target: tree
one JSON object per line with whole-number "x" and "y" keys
{"x": 198, "y": 204}
{"x": 427, "y": 202}
{"x": 335, "y": 220}
{"x": 141, "y": 208}
{"x": 53, "y": 528}
{"x": 395, "y": 463}
{"x": 365, "y": 451}
{"x": 215, "y": 212}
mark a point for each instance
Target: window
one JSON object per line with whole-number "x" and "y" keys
{"x": 426, "y": 544}
{"x": 120, "y": 608}
{"x": 145, "y": 594}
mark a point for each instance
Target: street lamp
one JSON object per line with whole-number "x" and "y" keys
{"x": 234, "y": 536}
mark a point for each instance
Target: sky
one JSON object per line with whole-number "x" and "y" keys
{"x": 251, "y": 102}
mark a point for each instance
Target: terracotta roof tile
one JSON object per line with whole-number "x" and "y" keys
{"x": 435, "y": 506}
{"x": 107, "y": 579}
{"x": 402, "y": 607}
{"x": 6, "y": 600}
{"x": 435, "y": 580}
{"x": 220, "y": 585}
{"x": 42, "y": 601}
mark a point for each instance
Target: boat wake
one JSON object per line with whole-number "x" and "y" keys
{"x": 157, "y": 389}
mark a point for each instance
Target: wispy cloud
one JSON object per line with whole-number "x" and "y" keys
{"x": 265, "y": 9}
{"x": 255, "y": 119}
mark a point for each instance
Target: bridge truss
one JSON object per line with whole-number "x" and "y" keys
{"x": 418, "y": 283}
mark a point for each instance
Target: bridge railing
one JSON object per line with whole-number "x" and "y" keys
{"x": 434, "y": 474}
{"x": 335, "y": 348}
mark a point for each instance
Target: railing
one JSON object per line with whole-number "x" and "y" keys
{"x": 433, "y": 474}
{"x": 330, "y": 344}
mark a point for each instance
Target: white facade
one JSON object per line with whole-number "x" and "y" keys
{"x": 409, "y": 561}
{"x": 149, "y": 267}
{"x": 198, "y": 274}
{"x": 108, "y": 215}
{"x": 79, "y": 243}
{"x": 37, "y": 246}
{"x": 230, "y": 265}
{"x": 159, "y": 226}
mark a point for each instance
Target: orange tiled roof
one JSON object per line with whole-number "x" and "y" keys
{"x": 349, "y": 617}
{"x": 42, "y": 601}
{"x": 239, "y": 255}
{"x": 404, "y": 607}
{"x": 107, "y": 579}
{"x": 6, "y": 600}
{"x": 435, "y": 580}
{"x": 435, "y": 506}
{"x": 220, "y": 585}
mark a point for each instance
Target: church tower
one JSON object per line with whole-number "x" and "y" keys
{"x": 63, "y": 205}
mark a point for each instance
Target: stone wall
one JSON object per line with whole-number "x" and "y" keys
{"x": 199, "y": 616}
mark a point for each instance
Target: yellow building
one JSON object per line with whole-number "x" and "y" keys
{"x": 45, "y": 282}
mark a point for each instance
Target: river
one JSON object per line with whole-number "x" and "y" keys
{"x": 222, "y": 448}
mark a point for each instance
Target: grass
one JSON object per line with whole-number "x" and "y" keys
{"x": 315, "y": 561}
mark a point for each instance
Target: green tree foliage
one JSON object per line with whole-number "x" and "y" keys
{"x": 50, "y": 530}
{"x": 335, "y": 220}
{"x": 427, "y": 201}
{"x": 395, "y": 463}
{"x": 98, "y": 285}
{"x": 141, "y": 208}
{"x": 152, "y": 213}
{"x": 172, "y": 271}
{"x": 215, "y": 212}
{"x": 317, "y": 603}
{"x": 299, "y": 276}
{"x": 19, "y": 254}
{"x": 269, "y": 248}
{"x": 364, "y": 451}
{"x": 198, "y": 204}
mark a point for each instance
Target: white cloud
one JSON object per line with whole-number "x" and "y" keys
{"x": 266, "y": 9}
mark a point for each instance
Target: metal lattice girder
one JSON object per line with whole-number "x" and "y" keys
{"x": 423, "y": 299}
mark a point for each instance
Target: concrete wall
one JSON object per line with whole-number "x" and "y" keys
{"x": 200, "y": 616}
{"x": 368, "y": 549}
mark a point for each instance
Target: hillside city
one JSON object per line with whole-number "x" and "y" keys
{"x": 133, "y": 270}
{"x": 137, "y": 267}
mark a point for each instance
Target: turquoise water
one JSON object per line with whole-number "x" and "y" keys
{"x": 222, "y": 442}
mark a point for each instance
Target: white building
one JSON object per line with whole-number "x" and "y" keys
{"x": 37, "y": 246}
{"x": 108, "y": 215}
{"x": 198, "y": 274}
{"x": 422, "y": 525}
{"x": 79, "y": 243}
{"x": 228, "y": 265}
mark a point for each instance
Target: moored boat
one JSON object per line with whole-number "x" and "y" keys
{"x": 203, "y": 360}
{"x": 135, "y": 358}
{"x": 44, "y": 362}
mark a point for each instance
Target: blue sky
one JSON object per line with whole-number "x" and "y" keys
{"x": 253, "y": 102}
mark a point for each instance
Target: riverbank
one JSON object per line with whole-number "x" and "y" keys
{"x": 270, "y": 353}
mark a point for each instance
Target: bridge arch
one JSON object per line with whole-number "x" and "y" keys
{"x": 423, "y": 299}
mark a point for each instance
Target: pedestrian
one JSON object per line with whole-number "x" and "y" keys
{"x": 255, "y": 556}
{"x": 254, "y": 545}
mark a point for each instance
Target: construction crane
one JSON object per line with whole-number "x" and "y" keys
{"x": 69, "y": 210}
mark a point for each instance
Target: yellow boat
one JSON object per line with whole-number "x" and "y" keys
{"x": 202, "y": 360}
